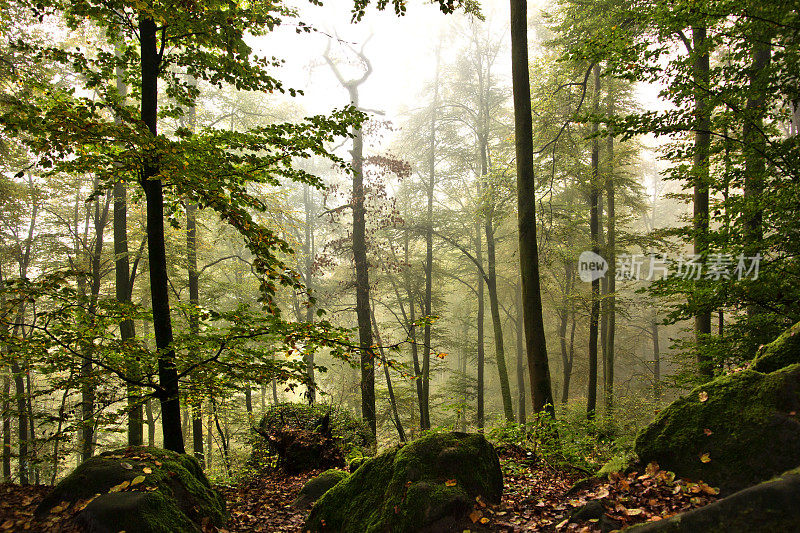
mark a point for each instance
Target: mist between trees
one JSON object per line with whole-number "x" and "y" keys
{"x": 184, "y": 244}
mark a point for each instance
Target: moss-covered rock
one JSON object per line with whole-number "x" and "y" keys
{"x": 780, "y": 353}
{"x": 732, "y": 432}
{"x": 149, "y": 512}
{"x": 768, "y": 507}
{"x": 316, "y": 487}
{"x": 168, "y": 485}
{"x": 352, "y": 436}
{"x": 430, "y": 484}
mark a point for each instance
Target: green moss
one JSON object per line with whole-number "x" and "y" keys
{"x": 353, "y": 436}
{"x": 432, "y": 479}
{"x": 753, "y": 433}
{"x": 780, "y": 353}
{"x": 142, "y": 512}
{"x": 316, "y": 487}
{"x": 178, "y": 478}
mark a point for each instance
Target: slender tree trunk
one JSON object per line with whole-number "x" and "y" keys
{"x": 362, "y": 287}
{"x": 463, "y": 369}
{"x": 194, "y": 327}
{"x": 568, "y": 371}
{"x": 22, "y": 421}
{"x": 392, "y": 402}
{"x": 425, "y": 421}
{"x": 702, "y": 148}
{"x": 412, "y": 333}
{"x": 123, "y": 289}
{"x": 494, "y": 308}
{"x": 151, "y": 423}
{"x": 360, "y": 252}
{"x": 6, "y": 429}
{"x": 754, "y": 148}
{"x": 480, "y": 325}
{"x": 195, "y": 400}
{"x": 62, "y": 415}
{"x": 310, "y": 253}
{"x": 656, "y": 360}
{"x": 566, "y": 304}
{"x": 88, "y": 422}
{"x": 594, "y": 229}
{"x": 521, "y": 396}
{"x": 611, "y": 257}
{"x": 491, "y": 285}
{"x": 168, "y": 392}
{"x": 536, "y": 346}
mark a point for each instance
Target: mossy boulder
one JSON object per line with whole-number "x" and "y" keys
{"x": 732, "y": 432}
{"x": 780, "y": 353}
{"x": 430, "y": 484}
{"x": 142, "y": 489}
{"x": 316, "y": 487}
{"x": 133, "y": 511}
{"x": 290, "y": 436}
{"x": 768, "y": 507}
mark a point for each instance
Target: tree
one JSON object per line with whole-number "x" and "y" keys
{"x": 536, "y": 347}
{"x": 360, "y": 247}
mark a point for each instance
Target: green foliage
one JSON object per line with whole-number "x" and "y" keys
{"x": 570, "y": 440}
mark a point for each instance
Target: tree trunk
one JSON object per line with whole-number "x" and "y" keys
{"x": 566, "y": 306}
{"x": 393, "y": 404}
{"x": 100, "y": 220}
{"x": 611, "y": 257}
{"x": 310, "y": 253}
{"x": 6, "y": 429}
{"x": 362, "y": 286}
{"x": 425, "y": 419}
{"x": 151, "y": 423}
{"x": 168, "y": 392}
{"x": 656, "y": 360}
{"x": 594, "y": 229}
{"x": 194, "y": 327}
{"x": 702, "y": 147}
{"x": 412, "y": 333}
{"x": 123, "y": 289}
{"x": 22, "y": 421}
{"x": 480, "y": 325}
{"x": 494, "y": 308}
{"x": 521, "y": 399}
{"x": 538, "y": 368}
{"x": 754, "y": 147}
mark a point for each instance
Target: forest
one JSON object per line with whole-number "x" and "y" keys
{"x": 398, "y": 266}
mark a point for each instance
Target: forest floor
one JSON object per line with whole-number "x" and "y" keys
{"x": 537, "y": 497}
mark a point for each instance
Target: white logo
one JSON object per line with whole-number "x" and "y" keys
{"x": 591, "y": 266}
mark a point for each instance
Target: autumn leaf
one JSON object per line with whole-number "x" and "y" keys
{"x": 475, "y": 515}
{"x": 137, "y": 480}
{"x": 708, "y": 432}
{"x": 126, "y": 466}
{"x": 703, "y": 396}
{"x": 147, "y": 470}
{"x": 122, "y": 486}
{"x": 450, "y": 482}
{"x": 705, "y": 458}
